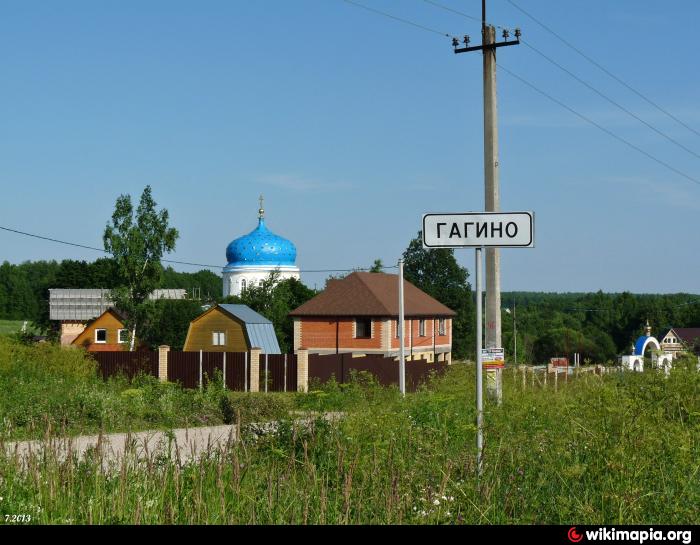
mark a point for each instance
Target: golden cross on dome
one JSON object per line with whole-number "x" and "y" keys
{"x": 261, "y": 212}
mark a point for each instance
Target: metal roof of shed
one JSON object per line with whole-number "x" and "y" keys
{"x": 86, "y": 304}
{"x": 261, "y": 331}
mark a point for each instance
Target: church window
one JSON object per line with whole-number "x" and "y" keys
{"x": 243, "y": 284}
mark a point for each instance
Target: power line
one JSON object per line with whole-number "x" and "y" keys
{"x": 610, "y": 100}
{"x": 84, "y": 246}
{"x": 570, "y": 73}
{"x": 605, "y": 130}
{"x": 605, "y": 70}
{"x": 400, "y": 19}
{"x": 447, "y": 8}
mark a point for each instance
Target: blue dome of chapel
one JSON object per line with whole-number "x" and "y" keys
{"x": 261, "y": 247}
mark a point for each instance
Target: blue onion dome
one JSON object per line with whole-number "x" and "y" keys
{"x": 261, "y": 247}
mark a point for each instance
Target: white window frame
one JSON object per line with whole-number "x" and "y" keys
{"x": 218, "y": 338}
{"x": 98, "y": 341}
{"x": 442, "y": 327}
{"x": 119, "y": 336}
{"x": 421, "y": 327}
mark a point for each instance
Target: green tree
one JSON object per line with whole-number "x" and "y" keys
{"x": 377, "y": 266}
{"x": 438, "y": 274}
{"x": 138, "y": 242}
{"x": 169, "y": 323}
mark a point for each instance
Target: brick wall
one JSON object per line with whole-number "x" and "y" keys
{"x": 321, "y": 333}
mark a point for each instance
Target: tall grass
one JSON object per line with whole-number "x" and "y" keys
{"x": 46, "y": 388}
{"x": 619, "y": 449}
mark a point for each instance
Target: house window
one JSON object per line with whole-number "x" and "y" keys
{"x": 101, "y": 336}
{"x": 397, "y": 328}
{"x": 243, "y": 283}
{"x": 218, "y": 338}
{"x": 421, "y": 328}
{"x": 123, "y": 336}
{"x": 441, "y": 326}
{"x": 363, "y": 328}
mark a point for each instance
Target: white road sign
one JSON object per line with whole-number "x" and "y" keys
{"x": 476, "y": 229}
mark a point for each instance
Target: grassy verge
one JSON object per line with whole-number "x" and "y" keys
{"x": 621, "y": 449}
{"x": 46, "y": 389}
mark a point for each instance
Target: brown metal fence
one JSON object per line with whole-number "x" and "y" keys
{"x": 234, "y": 367}
{"x": 385, "y": 370}
{"x": 278, "y": 373}
{"x": 128, "y": 364}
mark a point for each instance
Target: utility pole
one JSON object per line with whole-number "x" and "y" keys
{"x": 492, "y": 200}
{"x": 491, "y": 178}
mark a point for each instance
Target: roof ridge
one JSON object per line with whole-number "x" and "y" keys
{"x": 371, "y": 291}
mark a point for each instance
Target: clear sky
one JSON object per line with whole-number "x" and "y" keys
{"x": 353, "y": 125}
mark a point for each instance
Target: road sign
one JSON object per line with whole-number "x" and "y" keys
{"x": 559, "y": 362}
{"x": 477, "y": 229}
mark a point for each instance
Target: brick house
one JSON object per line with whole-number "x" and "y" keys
{"x": 359, "y": 314}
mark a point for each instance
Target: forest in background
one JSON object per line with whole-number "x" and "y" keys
{"x": 599, "y": 325}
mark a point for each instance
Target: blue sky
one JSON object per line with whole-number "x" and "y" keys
{"x": 352, "y": 125}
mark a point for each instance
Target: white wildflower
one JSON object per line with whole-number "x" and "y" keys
{"x": 436, "y": 501}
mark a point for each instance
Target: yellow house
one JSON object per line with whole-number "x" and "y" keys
{"x": 231, "y": 328}
{"x": 106, "y": 333}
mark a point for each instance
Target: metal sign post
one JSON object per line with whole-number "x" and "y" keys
{"x": 400, "y": 326}
{"x": 479, "y": 374}
{"x": 480, "y": 230}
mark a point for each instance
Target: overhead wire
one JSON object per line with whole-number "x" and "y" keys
{"x": 605, "y": 70}
{"x": 172, "y": 261}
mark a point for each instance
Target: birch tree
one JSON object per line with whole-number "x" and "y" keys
{"x": 137, "y": 241}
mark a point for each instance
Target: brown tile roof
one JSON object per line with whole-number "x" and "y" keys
{"x": 687, "y": 334}
{"x": 371, "y": 294}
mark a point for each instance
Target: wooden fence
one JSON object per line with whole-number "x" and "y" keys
{"x": 385, "y": 370}
{"x": 129, "y": 364}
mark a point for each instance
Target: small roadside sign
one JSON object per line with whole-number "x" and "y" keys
{"x": 493, "y": 358}
{"x": 477, "y": 229}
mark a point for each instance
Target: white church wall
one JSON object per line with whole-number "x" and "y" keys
{"x": 237, "y": 278}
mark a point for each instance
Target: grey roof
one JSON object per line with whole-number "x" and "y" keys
{"x": 86, "y": 304}
{"x": 261, "y": 331}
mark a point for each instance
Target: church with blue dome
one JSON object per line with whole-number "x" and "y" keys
{"x": 252, "y": 257}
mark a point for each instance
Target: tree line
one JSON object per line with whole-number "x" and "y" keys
{"x": 599, "y": 326}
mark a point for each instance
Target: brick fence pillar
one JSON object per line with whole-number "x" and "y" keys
{"x": 255, "y": 369}
{"x": 163, "y": 351}
{"x": 302, "y": 370}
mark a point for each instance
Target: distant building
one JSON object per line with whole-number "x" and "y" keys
{"x": 231, "y": 328}
{"x": 359, "y": 314}
{"x": 680, "y": 339}
{"x": 106, "y": 333}
{"x": 251, "y": 258}
{"x": 74, "y": 308}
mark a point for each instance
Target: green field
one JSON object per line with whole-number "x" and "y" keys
{"x": 618, "y": 449}
{"x": 10, "y": 326}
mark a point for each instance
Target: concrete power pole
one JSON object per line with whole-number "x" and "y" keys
{"x": 492, "y": 200}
